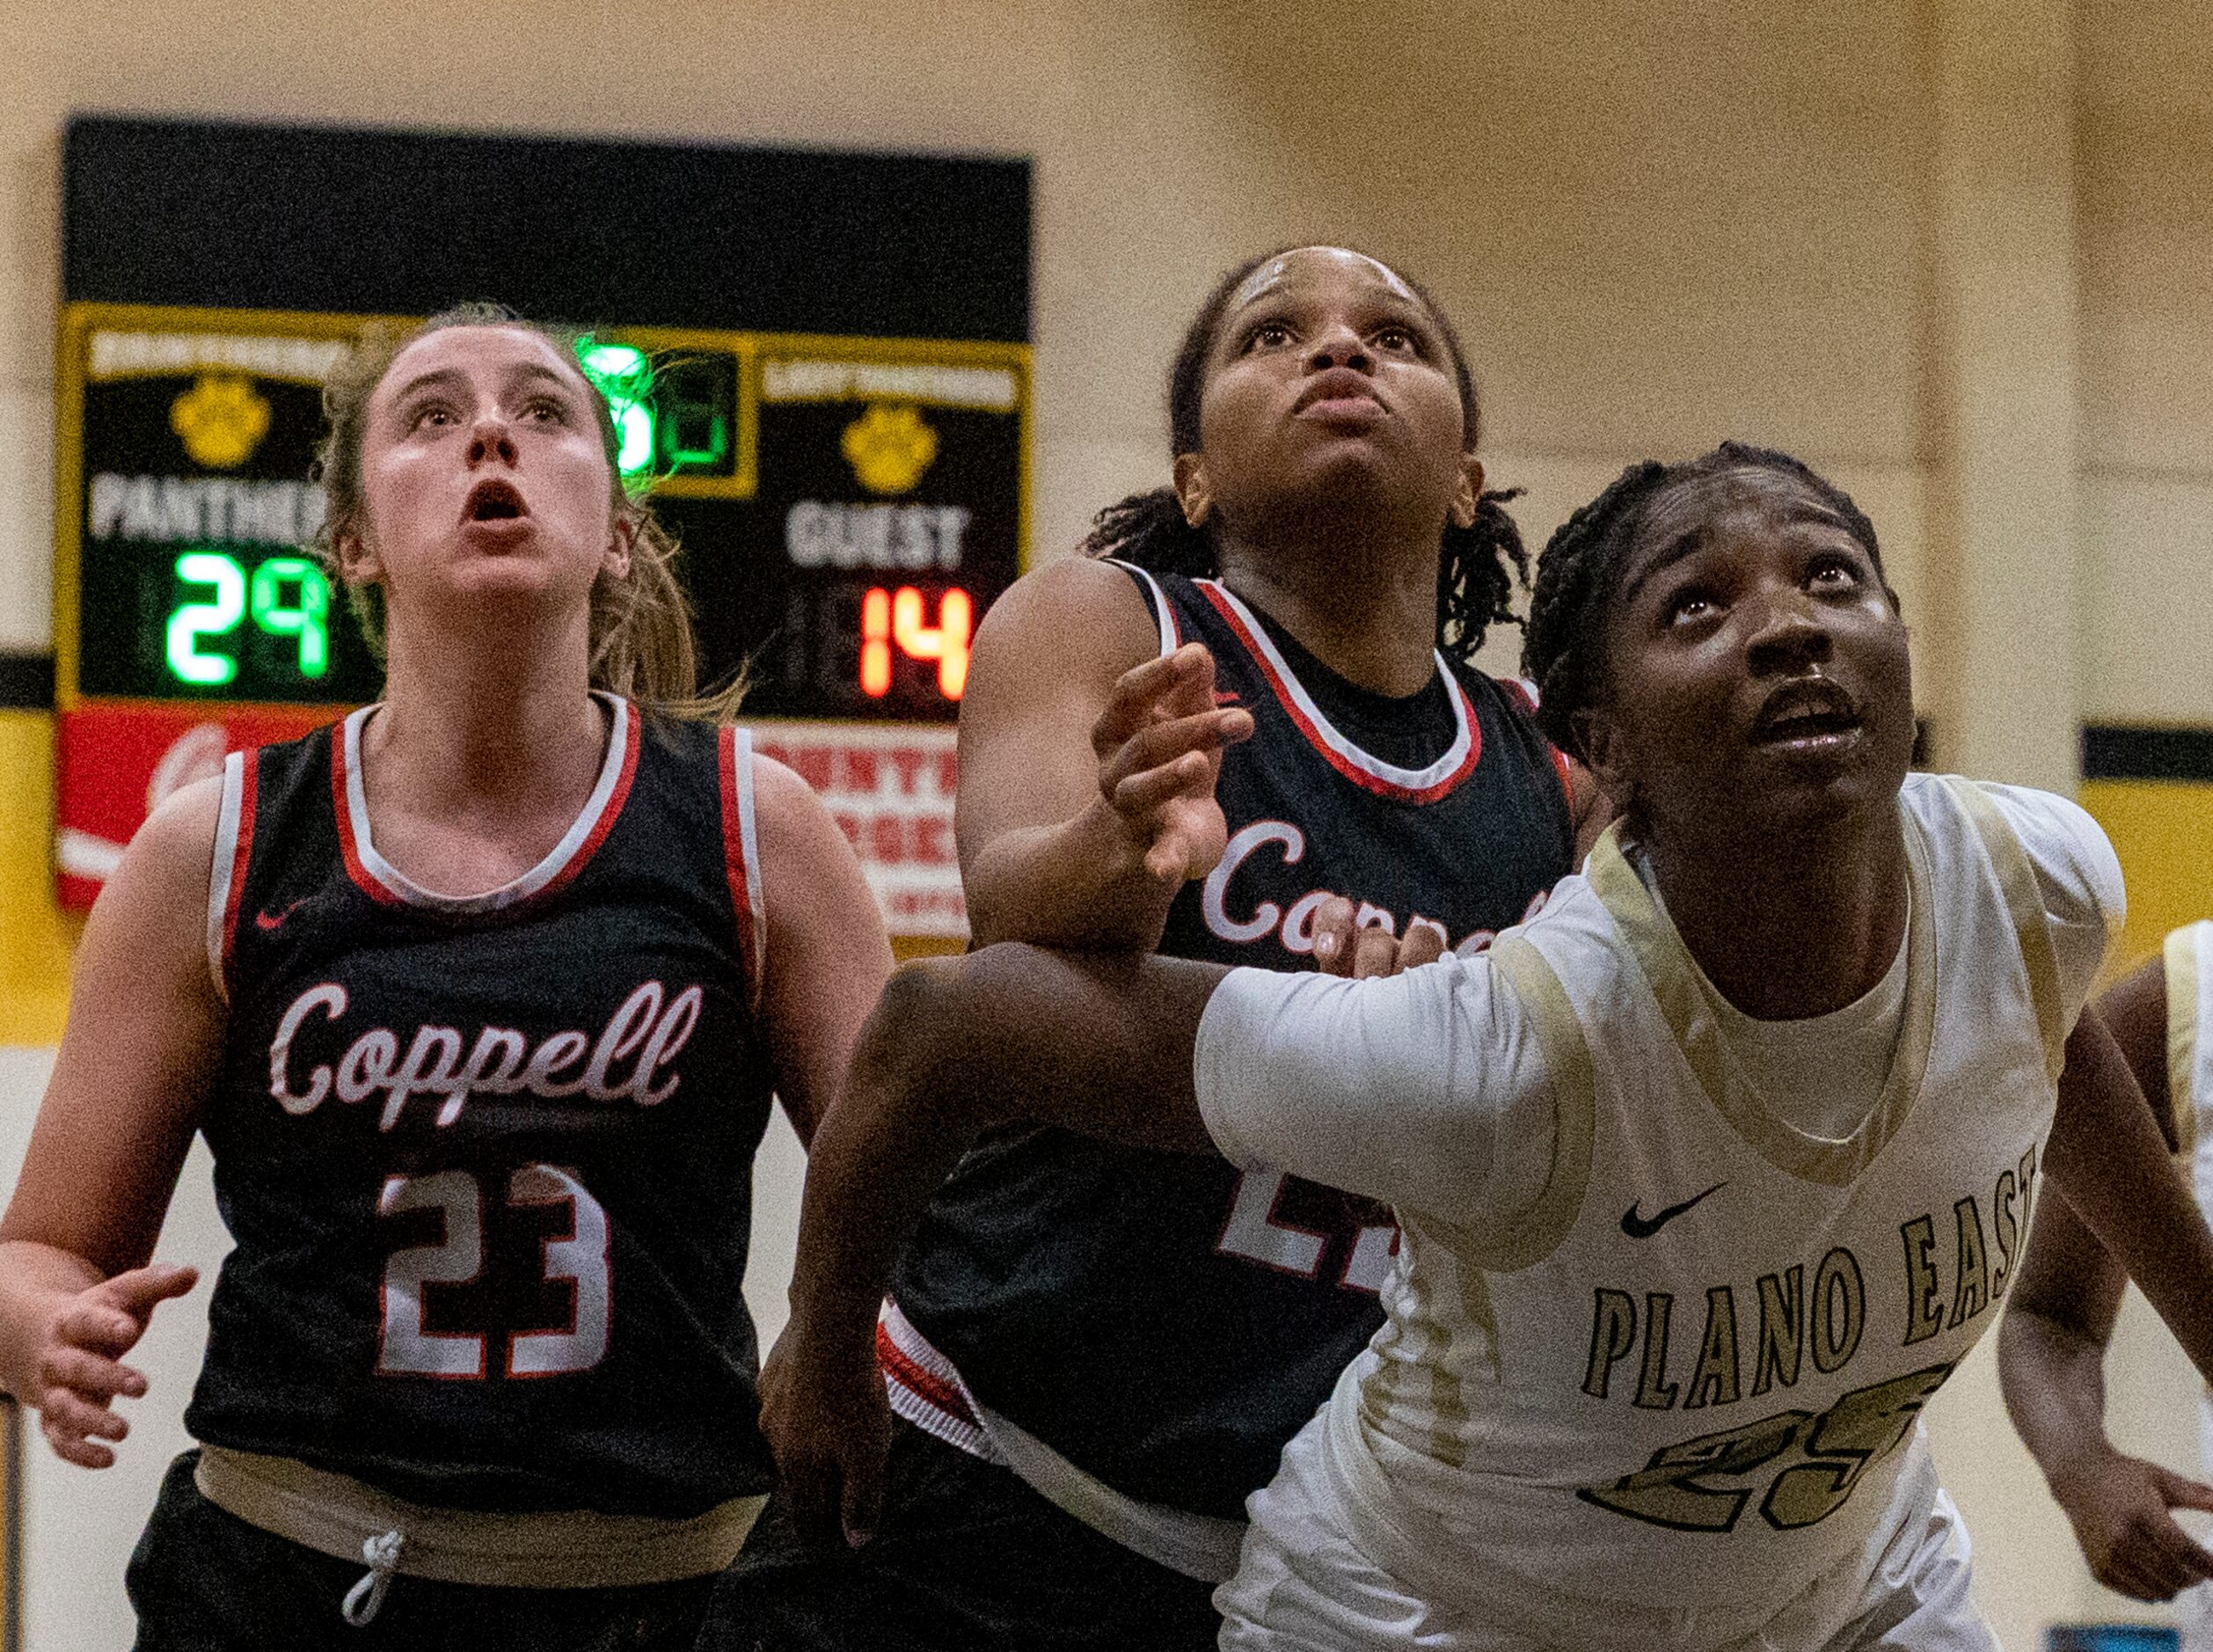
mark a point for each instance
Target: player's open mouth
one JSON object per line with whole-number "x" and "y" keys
{"x": 1811, "y": 713}
{"x": 494, "y": 500}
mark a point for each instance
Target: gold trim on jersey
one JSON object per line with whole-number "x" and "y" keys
{"x": 1672, "y": 976}
{"x": 1532, "y": 1235}
{"x": 2180, "y": 955}
{"x": 2025, "y": 904}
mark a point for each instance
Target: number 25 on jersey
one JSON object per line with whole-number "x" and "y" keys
{"x": 578, "y": 1258}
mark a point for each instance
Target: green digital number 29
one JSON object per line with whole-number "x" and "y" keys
{"x": 231, "y": 597}
{"x": 1828, "y": 1454}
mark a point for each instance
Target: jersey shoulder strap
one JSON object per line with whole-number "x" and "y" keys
{"x": 1163, "y": 611}
{"x": 1533, "y": 1234}
{"x": 227, "y": 874}
{"x": 2188, "y": 959}
{"x": 2025, "y": 906}
{"x": 741, "y": 855}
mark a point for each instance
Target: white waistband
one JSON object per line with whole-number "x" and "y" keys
{"x": 926, "y": 1390}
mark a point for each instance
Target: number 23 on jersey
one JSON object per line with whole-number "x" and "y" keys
{"x": 577, "y": 1257}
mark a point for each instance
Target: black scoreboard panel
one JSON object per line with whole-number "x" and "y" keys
{"x": 881, "y": 529}
{"x": 818, "y": 364}
{"x": 846, "y": 507}
{"x": 186, "y": 511}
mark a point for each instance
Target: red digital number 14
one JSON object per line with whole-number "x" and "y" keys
{"x": 892, "y": 619}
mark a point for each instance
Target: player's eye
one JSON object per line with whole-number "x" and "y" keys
{"x": 1691, "y": 603}
{"x": 431, "y": 413}
{"x": 1833, "y": 572}
{"x": 1268, "y": 335}
{"x": 546, "y": 410}
{"x": 1394, "y": 336}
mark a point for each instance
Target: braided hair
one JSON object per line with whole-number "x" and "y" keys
{"x": 1564, "y": 645}
{"x": 1478, "y": 566}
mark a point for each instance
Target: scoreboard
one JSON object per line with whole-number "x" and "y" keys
{"x": 847, "y": 503}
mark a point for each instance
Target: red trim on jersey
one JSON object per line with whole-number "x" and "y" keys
{"x": 348, "y": 851}
{"x": 924, "y": 1383}
{"x": 241, "y": 852}
{"x": 1525, "y": 696}
{"x": 608, "y": 817}
{"x": 733, "y": 855}
{"x": 1565, "y": 770}
{"x": 1336, "y": 759}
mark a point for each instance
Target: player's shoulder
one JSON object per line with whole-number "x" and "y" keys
{"x": 2074, "y": 863}
{"x": 2041, "y": 815}
{"x": 1074, "y": 596}
{"x": 1577, "y": 937}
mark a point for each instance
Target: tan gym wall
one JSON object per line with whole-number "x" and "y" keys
{"x": 1959, "y": 253}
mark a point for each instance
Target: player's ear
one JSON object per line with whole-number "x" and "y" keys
{"x": 1194, "y": 491}
{"x": 1601, "y": 749}
{"x": 357, "y": 564}
{"x": 1468, "y": 494}
{"x": 622, "y": 540}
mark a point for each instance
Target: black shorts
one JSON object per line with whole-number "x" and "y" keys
{"x": 965, "y": 1558}
{"x": 203, "y": 1580}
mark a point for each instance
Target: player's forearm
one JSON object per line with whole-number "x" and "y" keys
{"x": 2108, "y": 1161}
{"x": 2054, "y": 1380}
{"x": 36, "y": 1282}
{"x": 1080, "y": 884}
{"x": 1099, "y": 1044}
{"x": 875, "y": 1158}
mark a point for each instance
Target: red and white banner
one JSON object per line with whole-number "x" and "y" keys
{"x": 118, "y": 761}
{"x": 889, "y": 787}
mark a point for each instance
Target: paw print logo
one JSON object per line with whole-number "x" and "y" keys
{"x": 221, "y": 419}
{"x": 889, "y": 447}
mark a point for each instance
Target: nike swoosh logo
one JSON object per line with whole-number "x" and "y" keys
{"x": 1638, "y": 1226}
{"x": 273, "y": 920}
{"x": 1225, "y": 696}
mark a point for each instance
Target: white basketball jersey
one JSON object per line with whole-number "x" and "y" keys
{"x": 1694, "y": 1373}
{"x": 2188, "y": 964}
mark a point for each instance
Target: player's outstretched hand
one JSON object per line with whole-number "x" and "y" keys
{"x": 829, "y": 1425}
{"x": 1343, "y": 947}
{"x": 78, "y": 1367}
{"x": 2119, "y": 1507}
{"x": 1160, "y": 743}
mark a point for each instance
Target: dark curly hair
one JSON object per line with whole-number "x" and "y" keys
{"x": 1563, "y": 646}
{"x": 1479, "y": 566}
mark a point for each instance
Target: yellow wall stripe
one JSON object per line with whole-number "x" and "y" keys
{"x": 36, "y": 939}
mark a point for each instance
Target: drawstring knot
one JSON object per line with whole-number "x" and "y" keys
{"x": 383, "y": 1555}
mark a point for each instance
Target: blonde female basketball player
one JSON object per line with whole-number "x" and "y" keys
{"x": 479, "y": 997}
{"x": 2052, "y": 1349}
{"x": 1707, "y": 1176}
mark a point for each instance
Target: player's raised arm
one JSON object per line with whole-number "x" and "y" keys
{"x": 2051, "y": 1355}
{"x": 1087, "y": 764}
{"x": 144, "y": 1037}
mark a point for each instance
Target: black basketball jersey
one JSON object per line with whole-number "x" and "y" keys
{"x": 1163, "y": 1320}
{"x": 488, "y": 1160}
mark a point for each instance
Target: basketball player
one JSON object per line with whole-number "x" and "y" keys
{"x": 2052, "y": 1350}
{"x": 1097, "y": 1351}
{"x": 479, "y": 997}
{"x": 1706, "y": 1176}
